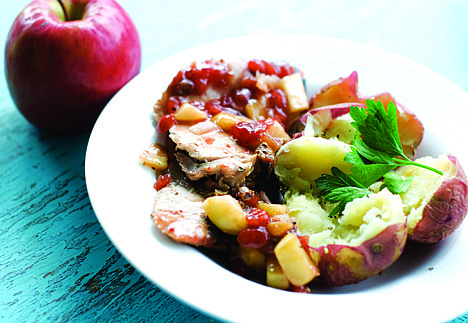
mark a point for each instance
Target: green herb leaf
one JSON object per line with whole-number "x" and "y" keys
{"x": 328, "y": 183}
{"x": 375, "y": 152}
{"x": 344, "y": 195}
{"x": 372, "y": 154}
{"x": 379, "y": 128}
{"x": 395, "y": 183}
{"x": 365, "y": 172}
{"x": 340, "y": 187}
{"x": 377, "y": 138}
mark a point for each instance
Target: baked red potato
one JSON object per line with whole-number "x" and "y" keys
{"x": 435, "y": 205}
{"x": 368, "y": 238}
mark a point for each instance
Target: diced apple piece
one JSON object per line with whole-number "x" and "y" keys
{"x": 155, "y": 157}
{"x": 226, "y": 120}
{"x": 275, "y": 136}
{"x": 226, "y": 213}
{"x": 274, "y": 276}
{"x": 296, "y": 263}
{"x": 266, "y": 82}
{"x": 293, "y": 86}
{"x": 279, "y": 229}
{"x": 189, "y": 113}
{"x": 273, "y": 209}
{"x": 253, "y": 258}
{"x": 257, "y": 109}
{"x": 276, "y": 130}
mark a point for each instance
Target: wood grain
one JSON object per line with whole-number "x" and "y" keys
{"x": 57, "y": 263}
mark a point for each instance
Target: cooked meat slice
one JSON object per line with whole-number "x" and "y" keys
{"x": 266, "y": 155}
{"x": 211, "y": 151}
{"x": 178, "y": 213}
{"x": 231, "y": 169}
{"x": 205, "y": 141}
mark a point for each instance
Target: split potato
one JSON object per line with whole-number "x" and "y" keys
{"x": 334, "y": 121}
{"x": 371, "y": 232}
{"x": 366, "y": 239}
{"x": 435, "y": 205}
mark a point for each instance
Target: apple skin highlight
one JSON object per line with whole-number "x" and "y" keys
{"x": 60, "y": 73}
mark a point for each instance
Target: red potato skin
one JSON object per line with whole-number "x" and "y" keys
{"x": 345, "y": 90}
{"x": 446, "y": 210}
{"x": 339, "y": 91}
{"x": 344, "y": 265}
{"x": 331, "y": 111}
{"x": 410, "y": 128}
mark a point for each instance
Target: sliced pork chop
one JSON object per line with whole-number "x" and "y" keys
{"x": 208, "y": 150}
{"x": 178, "y": 213}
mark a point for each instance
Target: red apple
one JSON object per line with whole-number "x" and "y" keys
{"x": 64, "y": 60}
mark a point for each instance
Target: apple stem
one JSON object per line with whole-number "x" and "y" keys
{"x": 65, "y": 12}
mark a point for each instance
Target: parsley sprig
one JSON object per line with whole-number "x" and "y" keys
{"x": 375, "y": 152}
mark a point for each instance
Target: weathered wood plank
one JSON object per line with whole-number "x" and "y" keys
{"x": 57, "y": 263}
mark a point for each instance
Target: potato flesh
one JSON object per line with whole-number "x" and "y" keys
{"x": 322, "y": 125}
{"x": 362, "y": 218}
{"x": 308, "y": 158}
{"x": 423, "y": 186}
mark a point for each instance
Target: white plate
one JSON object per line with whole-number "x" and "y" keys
{"x": 424, "y": 285}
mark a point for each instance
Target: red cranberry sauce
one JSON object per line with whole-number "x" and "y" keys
{"x": 277, "y": 104}
{"x": 250, "y": 134}
{"x": 166, "y": 122}
{"x": 162, "y": 181}
{"x": 255, "y": 235}
{"x": 196, "y": 79}
{"x": 199, "y": 76}
{"x": 279, "y": 69}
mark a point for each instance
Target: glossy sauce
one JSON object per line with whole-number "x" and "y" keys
{"x": 162, "y": 181}
{"x": 256, "y": 235}
{"x": 278, "y": 69}
{"x": 195, "y": 80}
{"x": 250, "y": 134}
{"x": 166, "y": 123}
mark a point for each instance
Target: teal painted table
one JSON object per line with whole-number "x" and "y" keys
{"x": 56, "y": 263}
